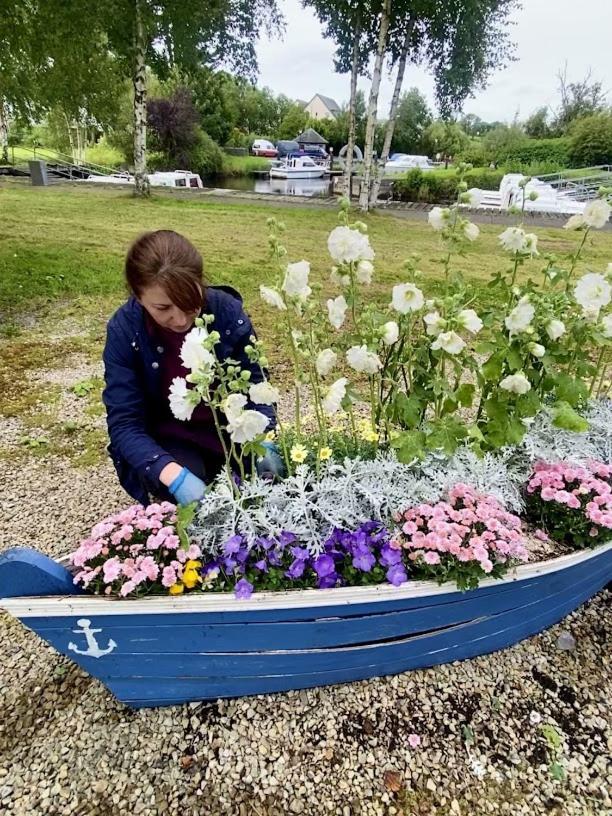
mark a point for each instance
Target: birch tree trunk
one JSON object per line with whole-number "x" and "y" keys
{"x": 401, "y": 68}
{"x": 3, "y": 133}
{"x": 140, "y": 105}
{"x": 348, "y": 167}
{"x": 364, "y": 193}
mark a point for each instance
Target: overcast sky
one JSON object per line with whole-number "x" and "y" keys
{"x": 547, "y": 33}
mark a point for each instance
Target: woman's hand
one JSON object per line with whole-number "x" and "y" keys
{"x": 186, "y": 487}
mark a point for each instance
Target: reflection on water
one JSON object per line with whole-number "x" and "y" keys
{"x": 297, "y": 187}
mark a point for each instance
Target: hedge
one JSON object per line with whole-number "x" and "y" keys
{"x": 440, "y": 186}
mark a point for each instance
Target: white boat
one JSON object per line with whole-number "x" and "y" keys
{"x": 174, "y": 178}
{"x": 510, "y": 194}
{"x": 302, "y": 168}
{"x": 403, "y": 162}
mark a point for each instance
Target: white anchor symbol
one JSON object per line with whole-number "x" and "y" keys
{"x": 93, "y": 650}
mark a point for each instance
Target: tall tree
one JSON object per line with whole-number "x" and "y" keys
{"x": 381, "y": 47}
{"x": 413, "y": 117}
{"x": 135, "y": 34}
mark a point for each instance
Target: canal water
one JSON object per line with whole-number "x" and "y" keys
{"x": 320, "y": 188}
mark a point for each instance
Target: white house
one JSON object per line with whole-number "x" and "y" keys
{"x": 322, "y": 107}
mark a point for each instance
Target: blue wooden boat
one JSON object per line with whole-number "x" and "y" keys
{"x": 166, "y": 650}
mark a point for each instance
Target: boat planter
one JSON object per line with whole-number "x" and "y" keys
{"x": 165, "y": 650}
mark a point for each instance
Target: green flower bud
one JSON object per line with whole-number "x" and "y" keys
{"x": 245, "y": 375}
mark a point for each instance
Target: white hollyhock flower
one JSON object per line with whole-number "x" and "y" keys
{"x": 469, "y": 320}
{"x": 516, "y": 383}
{"x": 596, "y": 213}
{"x": 193, "y": 354}
{"x": 272, "y": 297}
{"x": 449, "y": 341}
{"x": 325, "y": 362}
{"x": 576, "y": 222}
{"x": 513, "y": 239}
{"x": 359, "y": 358}
{"x": 592, "y": 292}
{"x": 336, "y": 309}
{"x": 234, "y": 405}
{"x": 606, "y": 324}
{"x": 348, "y": 245}
{"x": 438, "y": 218}
{"x": 247, "y": 426}
{"x": 555, "y": 329}
{"x": 531, "y": 244}
{"x": 364, "y": 272}
{"x": 520, "y": 317}
{"x": 332, "y": 401}
{"x": 435, "y": 323}
{"x": 471, "y": 231}
{"x": 474, "y": 197}
{"x": 407, "y": 297}
{"x": 339, "y": 279}
{"x": 390, "y": 333}
{"x": 537, "y": 349}
{"x": 263, "y": 393}
{"x": 295, "y": 283}
{"x": 179, "y": 397}
{"x": 608, "y": 272}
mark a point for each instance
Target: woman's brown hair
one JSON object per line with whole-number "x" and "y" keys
{"x": 168, "y": 259}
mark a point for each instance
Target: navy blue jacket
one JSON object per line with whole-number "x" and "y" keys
{"x": 131, "y": 372}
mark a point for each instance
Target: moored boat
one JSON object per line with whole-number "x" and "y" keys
{"x": 165, "y": 650}
{"x": 302, "y": 167}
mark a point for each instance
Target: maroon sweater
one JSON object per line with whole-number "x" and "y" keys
{"x": 198, "y": 431}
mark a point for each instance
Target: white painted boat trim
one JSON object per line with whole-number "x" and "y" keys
{"x": 65, "y": 606}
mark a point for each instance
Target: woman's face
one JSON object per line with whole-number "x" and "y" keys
{"x": 163, "y": 311}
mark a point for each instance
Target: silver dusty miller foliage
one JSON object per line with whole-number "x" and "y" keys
{"x": 350, "y": 493}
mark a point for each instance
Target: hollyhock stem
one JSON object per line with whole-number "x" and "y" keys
{"x": 575, "y": 259}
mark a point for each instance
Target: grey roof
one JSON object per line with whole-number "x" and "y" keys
{"x": 310, "y": 136}
{"x": 332, "y": 105}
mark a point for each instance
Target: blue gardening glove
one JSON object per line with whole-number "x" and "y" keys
{"x": 186, "y": 487}
{"x": 271, "y": 465}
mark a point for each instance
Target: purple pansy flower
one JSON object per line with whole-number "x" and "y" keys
{"x": 363, "y": 558}
{"x": 301, "y": 553}
{"x": 286, "y": 538}
{"x": 262, "y": 565}
{"x": 324, "y": 565}
{"x": 243, "y": 589}
{"x": 389, "y": 555}
{"x": 396, "y": 574}
{"x": 232, "y": 545}
{"x": 296, "y": 570}
{"x": 328, "y": 581}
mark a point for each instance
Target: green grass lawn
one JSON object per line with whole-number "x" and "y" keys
{"x": 61, "y": 277}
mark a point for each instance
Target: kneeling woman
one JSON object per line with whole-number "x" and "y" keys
{"x": 154, "y": 453}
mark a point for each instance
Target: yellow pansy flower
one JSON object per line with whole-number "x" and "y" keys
{"x": 191, "y": 575}
{"x": 369, "y": 435}
{"x": 177, "y": 588}
{"x": 270, "y": 436}
{"x": 298, "y": 454}
{"x": 325, "y": 453}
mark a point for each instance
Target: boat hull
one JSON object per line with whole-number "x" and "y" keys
{"x": 167, "y": 651}
{"x": 297, "y": 174}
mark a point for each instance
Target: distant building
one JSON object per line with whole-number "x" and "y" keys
{"x": 322, "y": 107}
{"x": 310, "y": 138}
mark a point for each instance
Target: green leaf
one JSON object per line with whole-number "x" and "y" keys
{"x": 468, "y": 734}
{"x": 446, "y": 435}
{"x": 184, "y": 517}
{"x": 565, "y": 417}
{"x": 407, "y": 410}
{"x": 465, "y": 394}
{"x": 410, "y": 445}
{"x": 493, "y": 367}
{"x": 570, "y": 390}
{"x": 528, "y": 405}
{"x": 515, "y": 361}
{"x": 557, "y": 771}
{"x": 552, "y": 736}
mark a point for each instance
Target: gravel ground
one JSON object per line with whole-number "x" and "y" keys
{"x": 68, "y": 747}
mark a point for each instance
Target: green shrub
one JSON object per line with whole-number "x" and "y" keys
{"x": 550, "y": 151}
{"x": 104, "y": 154}
{"x": 591, "y": 140}
{"x": 440, "y": 186}
{"x": 206, "y": 157}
